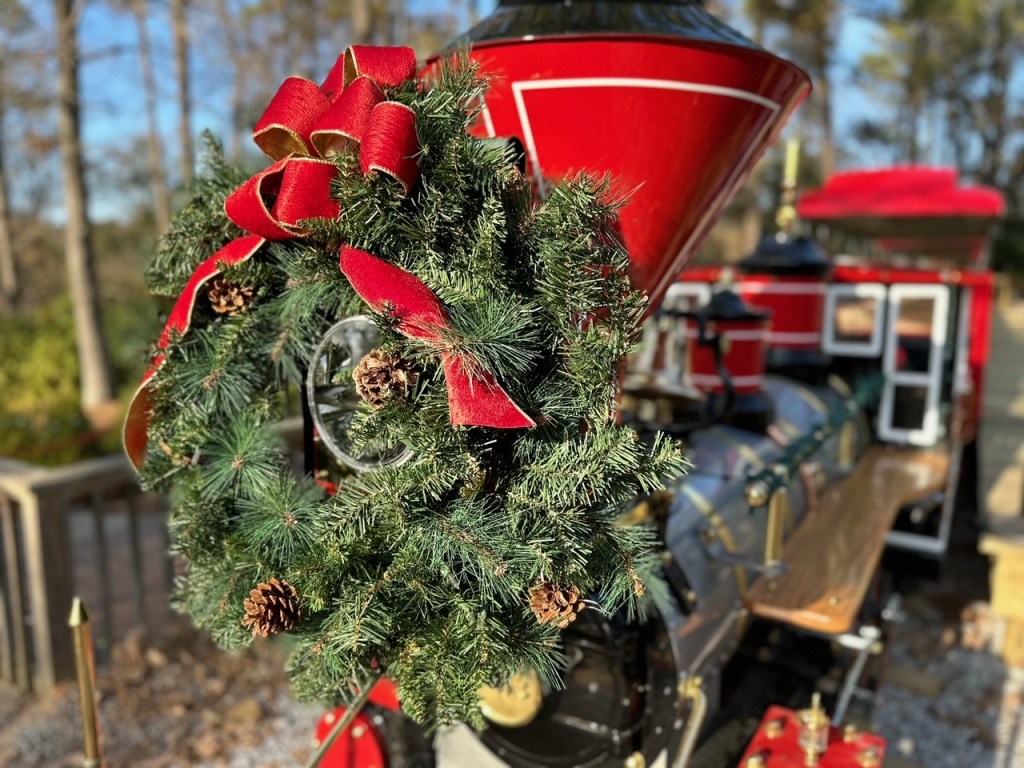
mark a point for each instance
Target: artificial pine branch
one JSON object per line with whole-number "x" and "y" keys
{"x": 201, "y": 228}
{"x": 425, "y": 569}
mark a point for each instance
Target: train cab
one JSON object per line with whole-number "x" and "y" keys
{"x": 911, "y": 298}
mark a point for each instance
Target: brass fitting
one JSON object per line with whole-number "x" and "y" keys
{"x": 757, "y": 494}
{"x": 814, "y": 730}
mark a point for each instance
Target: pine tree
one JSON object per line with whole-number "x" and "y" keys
{"x": 422, "y": 571}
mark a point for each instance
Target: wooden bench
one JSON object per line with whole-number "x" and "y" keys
{"x": 832, "y": 556}
{"x": 1006, "y": 549}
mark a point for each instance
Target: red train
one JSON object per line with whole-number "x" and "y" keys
{"x": 825, "y": 402}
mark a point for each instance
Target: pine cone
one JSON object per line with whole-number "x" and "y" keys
{"x": 228, "y": 298}
{"x": 381, "y": 377}
{"x": 271, "y": 608}
{"x": 553, "y": 604}
{"x": 661, "y": 504}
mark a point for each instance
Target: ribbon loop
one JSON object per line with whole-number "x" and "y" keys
{"x": 305, "y": 193}
{"x": 303, "y": 123}
{"x": 247, "y": 205}
{"x": 285, "y": 125}
{"x": 300, "y": 188}
{"x": 345, "y": 121}
{"x": 389, "y": 66}
{"x": 334, "y": 84}
{"x": 390, "y": 145}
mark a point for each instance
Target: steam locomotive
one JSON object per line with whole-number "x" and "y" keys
{"x": 824, "y": 403}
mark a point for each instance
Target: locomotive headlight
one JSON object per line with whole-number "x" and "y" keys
{"x": 515, "y": 704}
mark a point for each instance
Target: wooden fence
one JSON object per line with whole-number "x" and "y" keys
{"x": 86, "y": 530}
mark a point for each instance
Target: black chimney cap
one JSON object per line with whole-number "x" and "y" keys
{"x": 726, "y": 304}
{"x": 782, "y": 254}
{"x": 529, "y": 19}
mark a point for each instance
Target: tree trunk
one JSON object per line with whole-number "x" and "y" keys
{"x": 238, "y": 81}
{"x": 828, "y": 133}
{"x": 8, "y": 266}
{"x": 362, "y": 21}
{"x": 97, "y": 389}
{"x": 994, "y": 102}
{"x": 157, "y": 171}
{"x": 179, "y": 16}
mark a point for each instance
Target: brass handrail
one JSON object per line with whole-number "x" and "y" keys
{"x": 691, "y": 689}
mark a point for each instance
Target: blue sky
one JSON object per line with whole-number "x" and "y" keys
{"x": 113, "y": 99}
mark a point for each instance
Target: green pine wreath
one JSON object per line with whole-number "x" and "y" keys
{"x": 422, "y": 569}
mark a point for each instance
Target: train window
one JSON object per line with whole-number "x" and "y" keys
{"x": 910, "y": 407}
{"x": 914, "y": 334}
{"x": 853, "y": 320}
{"x": 915, "y": 341}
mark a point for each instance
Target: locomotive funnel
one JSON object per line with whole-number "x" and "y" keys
{"x": 674, "y": 104}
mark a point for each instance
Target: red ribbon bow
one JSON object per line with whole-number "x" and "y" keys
{"x": 303, "y": 126}
{"x": 474, "y": 396}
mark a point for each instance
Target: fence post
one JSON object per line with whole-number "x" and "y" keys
{"x": 48, "y": 576}
{"x": 13, "y": 633}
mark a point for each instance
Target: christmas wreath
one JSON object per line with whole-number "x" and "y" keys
{"x": 458, "y": 344}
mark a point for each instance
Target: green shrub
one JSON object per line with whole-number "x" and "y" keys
{"x": 40, "y": 415}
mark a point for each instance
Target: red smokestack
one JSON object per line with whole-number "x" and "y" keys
{"x": 669, "y": 100}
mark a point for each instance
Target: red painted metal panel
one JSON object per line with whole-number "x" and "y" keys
{"x": 981, "y": 339}
{"x": 361, "y": 746}
{"x": 777, "y": 743}
{"x": 797, "y": 305}
{"x": 744, "y": 357}
{"x": 874, "y": 273}
{"x": 679, "y": 123}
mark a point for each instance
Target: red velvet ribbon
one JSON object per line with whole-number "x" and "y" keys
{"x": 136, "y": 427}
{"x": 474, "y": 396}
{"x": 304, "y": 125}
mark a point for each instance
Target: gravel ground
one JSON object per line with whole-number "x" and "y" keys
{"x": 169, "y": 702}
{"x": 947, "y": 700}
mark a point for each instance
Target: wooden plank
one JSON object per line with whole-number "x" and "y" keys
{"x": 833, "y": 555}
{"x": 1001, "y": 433}
{"x": 106, "y": 608}
{"x": 135, "y": 546}
{"x": 48, "y": 579}
{"x": 6, "y": 624}
{"x": 6, "y": 641}
{"x": 16, "y": 630}
{"x": 1008, "y": 586}
{"x": 1013, "y": 643}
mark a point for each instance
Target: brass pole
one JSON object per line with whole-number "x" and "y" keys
{"x": 778, "y": 511}
{"x": 343, "y": 723}
{"x": 785, "y": 218}
{"x": 85, "y": 662}
{"x": 693, "y": 690}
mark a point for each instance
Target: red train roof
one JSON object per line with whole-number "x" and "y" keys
{"x": 911, "y": 202}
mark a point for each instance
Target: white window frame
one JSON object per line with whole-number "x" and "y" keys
{"x": 871, "y": 348}
{"x": 696, "y": 295}
{"x": 931, "y": 380}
